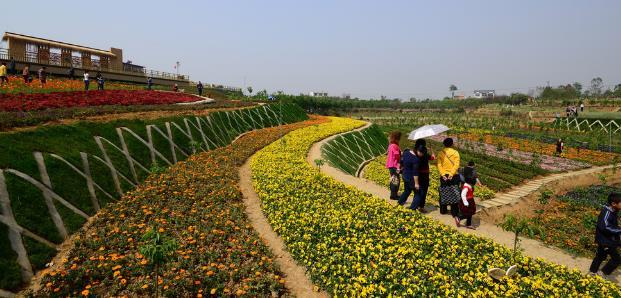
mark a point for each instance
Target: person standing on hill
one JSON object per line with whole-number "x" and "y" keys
{"x": 43, "y": 76}
{"x": 581, "y": 107}
{"x": 421, "y": 182}
{"x": 393, "y": 163}
{"x": 560, "y": 146}
{"x": 199, "y": 87}
{"x": 26, "y": 74}
{"x": 149, "y": 83}
{"x": 12, "y": 70}
{"x": 448, "y": 165}
{"x": 3, "y": 76}
{"x": 87, "y": 82}
{"x": 100, "y": 83}
{"x": 607, "y": 233}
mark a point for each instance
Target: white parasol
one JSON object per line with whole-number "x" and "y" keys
{"x": 427, "y": 131}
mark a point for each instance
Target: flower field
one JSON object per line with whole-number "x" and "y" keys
{"x": 55, "y": 100}
{"x": 376, "y": 172}
{"x": 198, "y": 204}
{"x": 354, "y": 244}
{"x": 17, "y": 85}
{"x": 584, "y": 155}
{"x": 568, "y": 221}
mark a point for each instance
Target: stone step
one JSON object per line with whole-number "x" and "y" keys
{"x": 504, "y": 201}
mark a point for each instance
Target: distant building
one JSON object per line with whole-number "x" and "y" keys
{"x": 484, "y": 93}
{"x": 460, "y": 96}
{"x": 58, "y": 57}
{"x": 318, "y": 94}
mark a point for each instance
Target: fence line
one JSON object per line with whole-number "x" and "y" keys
{"x": 221, "y": 136}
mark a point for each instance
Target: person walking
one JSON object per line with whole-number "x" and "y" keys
{"x": 421, "y": 181}
{"x": 199, "y": 87}
{"x": 43, "y": 76}
{"x": 87, "y": 82}
{"x": 149, "y": 83}
{"x": 100, "y": 83}
{"x": 3, "y": 75}
{"x": 448, "y": 165}
{"x": 72, "y": 73}
{"x": 392, "y": 163}
{"x": 607, "y": 233}
{"x": 26, "y": 74}
{"x": 467, "y": 206}
{"x": 581, "y": 107}
{"x": 409, "y": 174}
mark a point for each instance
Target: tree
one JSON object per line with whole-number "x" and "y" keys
{"x": 596, "y": 86}
{"x": 578, "y": 87}
{"x": 453, "y": 88}
{"x": 249, "y": 90}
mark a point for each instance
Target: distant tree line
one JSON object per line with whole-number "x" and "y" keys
{"x": 325, "y": 105}
{"x": 575, "y": 90}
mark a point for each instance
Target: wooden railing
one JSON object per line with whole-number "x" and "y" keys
{"x": 54, "y": 59}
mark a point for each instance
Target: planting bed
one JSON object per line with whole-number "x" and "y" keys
{"x": 55, "y": 100}
{"x": 355, "y": 244}
{"x": 568, "y": 221}
{"x": 28, "y": 203}
{"x": 583, "y": 155}
{"x": 198, "y": 204}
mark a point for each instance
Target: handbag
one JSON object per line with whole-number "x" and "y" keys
{"x": 449, "y": 194}
{"x": 394, "y": 180}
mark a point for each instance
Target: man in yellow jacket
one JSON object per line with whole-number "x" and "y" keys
{"x": 448, "y": 165}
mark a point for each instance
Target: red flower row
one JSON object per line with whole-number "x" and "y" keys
{"x": 41, "y": 101}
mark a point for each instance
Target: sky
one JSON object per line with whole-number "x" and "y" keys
{"x": 399, "y": 49}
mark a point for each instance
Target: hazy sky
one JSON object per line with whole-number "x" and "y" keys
{"x": 363, "y": 48}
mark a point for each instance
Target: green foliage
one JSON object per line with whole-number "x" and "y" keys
{"x": 519, "y": 226}
{"x": 157, "y": 249}
{"x": 348, "y": 151}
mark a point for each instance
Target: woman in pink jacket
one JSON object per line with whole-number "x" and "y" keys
{"x": 393, "y": 163}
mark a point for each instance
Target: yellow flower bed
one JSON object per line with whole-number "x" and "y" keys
{"x": 354, "y": 244}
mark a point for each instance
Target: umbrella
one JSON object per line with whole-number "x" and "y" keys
{"x": 427, "y": 131}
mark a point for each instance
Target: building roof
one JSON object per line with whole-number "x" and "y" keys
{"x": 485, "y": 90}
{"x": 38, "y": 40}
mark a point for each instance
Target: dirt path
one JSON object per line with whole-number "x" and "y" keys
{"x": 296, "y": 279}
{"x": 532, "y": 248}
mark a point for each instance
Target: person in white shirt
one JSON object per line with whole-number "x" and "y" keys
{"x": 86, "y": 81}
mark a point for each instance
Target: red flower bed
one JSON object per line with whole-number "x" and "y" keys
{"x": 41, "y": 101}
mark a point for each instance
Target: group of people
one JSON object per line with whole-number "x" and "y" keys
{"x": 456, "y": 187}
{"x": 10, "y": 70}
{"x": 42, "y": 75}
{"x": 87, "y": 81}
{"x": 572, "y": 111}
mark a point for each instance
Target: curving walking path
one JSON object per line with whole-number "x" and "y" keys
{"x": 530, "y": 247}
{"x": 296, "y": 279}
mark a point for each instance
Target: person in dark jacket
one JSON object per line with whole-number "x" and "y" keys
{"x": 421, "y": 180}
{"x": 199, "y": 87}
{"x": 409, "y": 169}
{"x": 607, "y": 234}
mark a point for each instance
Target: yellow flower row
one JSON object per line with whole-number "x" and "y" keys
{"x": 354, "y": 244}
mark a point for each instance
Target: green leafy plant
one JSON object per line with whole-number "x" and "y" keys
{"x": 603, "y": 178}
{"x": 319, "y": 163}
{"x": 158, "y": 250}
{"x": 519, "y": 226}
{"x": 156, "y": 168}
